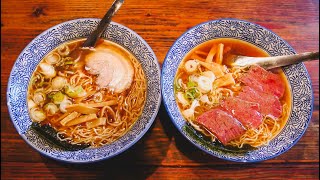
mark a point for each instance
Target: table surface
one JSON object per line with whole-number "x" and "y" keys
{"x": 162, "y": 152}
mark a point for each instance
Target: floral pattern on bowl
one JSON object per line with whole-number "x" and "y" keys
{"x": 297, "y": 75}
{"x": 47, "y": 41}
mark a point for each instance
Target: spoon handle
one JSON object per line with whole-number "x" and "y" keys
{"x": 276, "y": 61}
{"x": 94, "y": 36}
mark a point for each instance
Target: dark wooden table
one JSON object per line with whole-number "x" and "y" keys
{"x": 162, "y": 153}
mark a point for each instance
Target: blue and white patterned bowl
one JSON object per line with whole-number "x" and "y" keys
{"x": 47, "y": 41}
{"x": 297, "y": 75}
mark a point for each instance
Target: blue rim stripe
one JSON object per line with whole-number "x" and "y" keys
{"x": 124, "y": 148}
{"x": 198, "y": 145}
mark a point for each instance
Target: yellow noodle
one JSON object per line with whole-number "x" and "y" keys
{"x": 132, "y": 104}
{"x": 264, "y": 133}
{"x": 260, "y": 136}
{"x": 119, "y": 117}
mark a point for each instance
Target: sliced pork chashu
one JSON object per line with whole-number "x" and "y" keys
{"x": 114, "y": 70}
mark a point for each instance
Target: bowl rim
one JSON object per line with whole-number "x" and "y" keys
{"x": 198, "y": 145}
{"x": 121, "y": 150}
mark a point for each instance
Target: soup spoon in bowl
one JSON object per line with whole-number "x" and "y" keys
{"x": 105, "y": 21}
{"x": 271, "y": 62}
{"x": 90, "y": 43}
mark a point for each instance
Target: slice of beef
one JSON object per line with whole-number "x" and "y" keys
{"x": 265, "y": 81}
{"x": 248, "y": 113}
{"x": 222, "y": 125}
{"x": 269, "y": 104}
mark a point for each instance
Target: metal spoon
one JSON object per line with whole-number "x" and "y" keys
{"x": 275, "y": 61}
{"x": 94, "y": 36}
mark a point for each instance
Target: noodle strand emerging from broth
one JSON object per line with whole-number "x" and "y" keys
{"x": 64, "y": 93}
{"x": 79, "y": 78}
{"x": 269, "y": 128}
{"x": 203, "y": 81}
{"x": 120, "y": 117}
{"x": 264, "y": 133}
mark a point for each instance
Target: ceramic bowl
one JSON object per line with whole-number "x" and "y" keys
{"x": 47, "y": 41}
{"x": 297, "y": 75}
